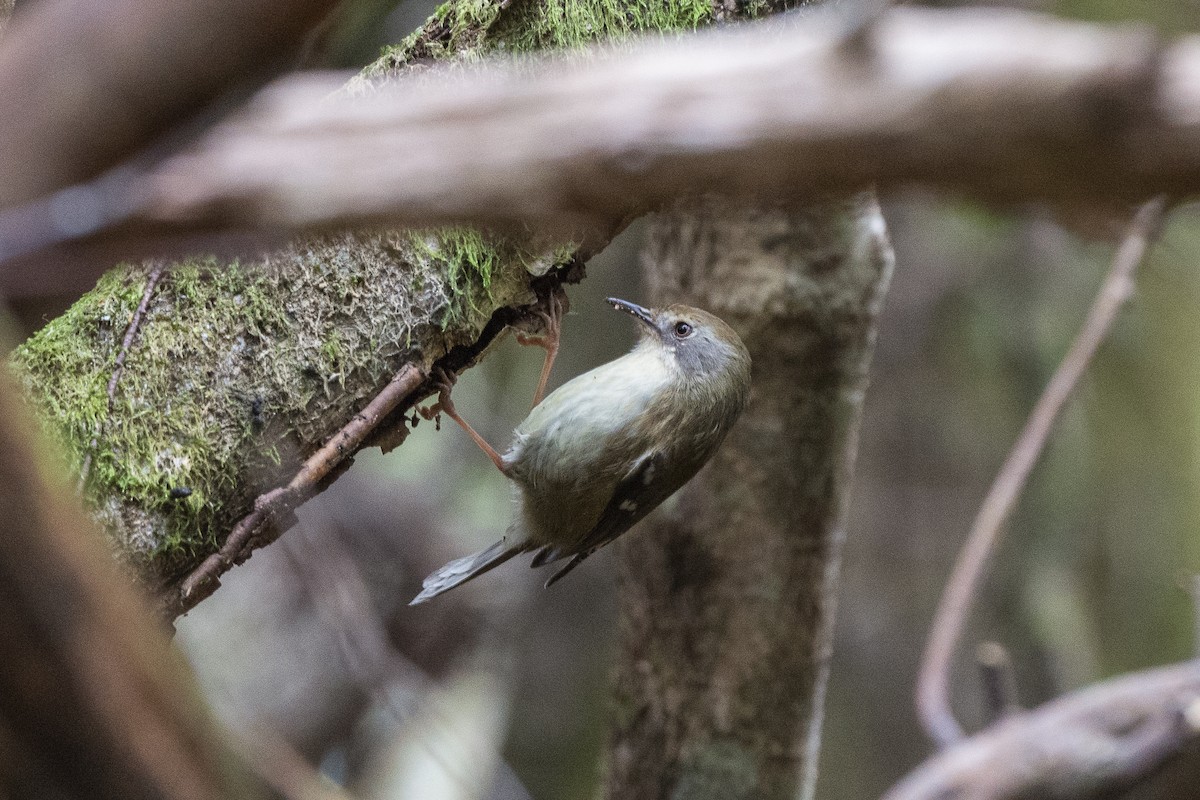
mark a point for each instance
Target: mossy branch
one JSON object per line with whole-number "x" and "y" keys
{"x": 241, "y": 371}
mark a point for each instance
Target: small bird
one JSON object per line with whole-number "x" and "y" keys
{"x": 609, "y": 446}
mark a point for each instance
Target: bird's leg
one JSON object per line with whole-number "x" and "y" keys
{"x": 444, "y": 405}
{"x": 548, "y": 340}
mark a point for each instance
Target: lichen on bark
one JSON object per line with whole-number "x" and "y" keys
{"x": 240, "y": 370}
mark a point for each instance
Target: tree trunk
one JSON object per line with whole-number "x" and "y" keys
{"x": 728, "y": 593}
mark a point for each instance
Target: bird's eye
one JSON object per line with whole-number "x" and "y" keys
{"x": 682, "y": 330}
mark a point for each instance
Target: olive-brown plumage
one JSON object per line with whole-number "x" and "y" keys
{"x": 609, "y": 446}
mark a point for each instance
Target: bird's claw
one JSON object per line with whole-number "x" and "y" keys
{"x": 551, "y": 318}
{"x": 443, "y": 380}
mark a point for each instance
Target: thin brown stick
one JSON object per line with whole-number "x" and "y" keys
{"x": 271, "y": 510}
{"x": 119, "y": 369}
{"x": 933, "y": 681}
{"x": 249, "y": 533}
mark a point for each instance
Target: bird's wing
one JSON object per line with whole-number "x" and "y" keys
{"x": 642, "y": 489}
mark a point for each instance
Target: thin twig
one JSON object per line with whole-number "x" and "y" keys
{"x": 933, "y": 681}
{"x": 268, "y": 507}
{"x": 410, "y": 385}
{"x": 118, "y": 370}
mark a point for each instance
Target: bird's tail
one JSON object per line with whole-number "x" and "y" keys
{"x": 461, "y": 570}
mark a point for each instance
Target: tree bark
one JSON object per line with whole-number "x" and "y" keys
{"x": 728, "y": 593}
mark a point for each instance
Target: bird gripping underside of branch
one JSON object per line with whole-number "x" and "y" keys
{"x": 236, "y": 373}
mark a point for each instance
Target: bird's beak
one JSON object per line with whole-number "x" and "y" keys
{"x": 644, "y": 314}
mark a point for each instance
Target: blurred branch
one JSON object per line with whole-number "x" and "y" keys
{"x": 340, "y": 593}
{"x": 1088, "y": 744}
{"x": 1000, "y": 104}
{"x": 82, "y": 86}
{"x": 933, "y": 681}
{"x": 93, "y": 703}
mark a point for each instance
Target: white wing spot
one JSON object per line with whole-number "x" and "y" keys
{"x": 628, "y": 505}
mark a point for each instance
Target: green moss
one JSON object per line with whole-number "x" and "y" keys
{"x": 469, "y": 259}
{"x": 456, "y": 30}
{"x": 164, "y": 430}
{"x": 466, "y": 31}
{"x": 568, "y": 24}
{"x": 82, "y": 404}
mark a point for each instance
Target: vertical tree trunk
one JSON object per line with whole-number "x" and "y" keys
{"x": 728, "y": 593}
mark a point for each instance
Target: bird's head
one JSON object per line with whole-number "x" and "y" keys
{"x": 700, "y": 344}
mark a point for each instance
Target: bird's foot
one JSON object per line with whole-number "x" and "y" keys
{"x": 550, "y": 318}
{"x": 443, "y": 380}
{"x": 548, "y": 337}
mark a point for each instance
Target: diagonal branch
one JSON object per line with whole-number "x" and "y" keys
{"x": 255, "y": 529}
{"x": 933, "y": 682}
